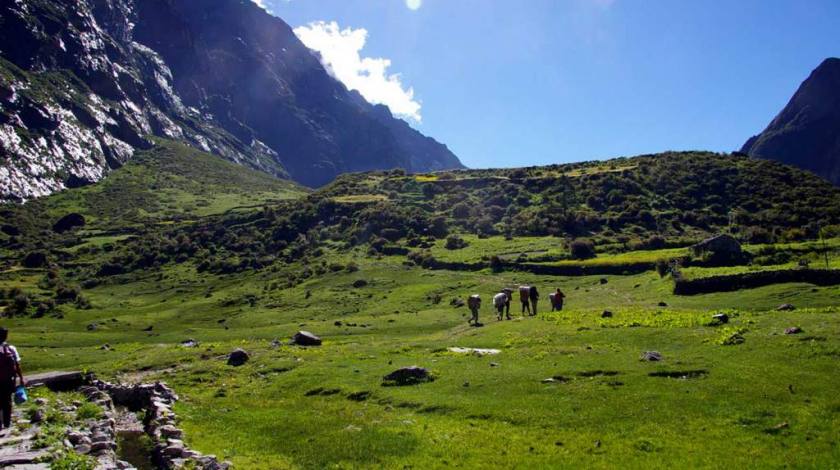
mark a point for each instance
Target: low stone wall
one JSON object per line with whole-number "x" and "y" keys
{"x": 734, "y": 282}
{"x": 160, "y": 423}
{"x": 545, "y": 269}
{"x": 100, "y": 439}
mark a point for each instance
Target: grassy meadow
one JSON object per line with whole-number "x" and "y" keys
{"x": 769, "y": 401}
{"x": 229, "y": 259}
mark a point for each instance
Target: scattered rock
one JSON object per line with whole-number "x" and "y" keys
{"x": 606, "y": 314}
{"x": 476, "y": 351}
{"x": 786, "y": 308}
{"x": 149, "y": 328}
{"x": 37, "y": 416}
{"x": 793, "y": 330}
{"x": 238, "y": 357}
{"x": 83, "y": 449}
{"x": 652, "y": 356}
{"x": 720, "y": 319}
{"x": 305, "y": 338}
{"x": 603, "y": 281}
{"x": 92, "y": 327}
{"x": 494, "y": 364}
{"x": 408, "y": 376}
{"x": 359, "y": 396}
{"x": 105, "y": 347}
{"x": 189, "y": 343}
{"x": 337, "y": 323}
{"x": 359, "y": 283}
{"x": 457, "y": 303}
{"x": 171, "y": 432}
{"x": 680, "y": 374}
{"x": 662, "y": 304}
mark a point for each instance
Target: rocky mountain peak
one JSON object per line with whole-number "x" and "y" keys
{"x": 84, "y": 83}
{"x": 806, "y": 133}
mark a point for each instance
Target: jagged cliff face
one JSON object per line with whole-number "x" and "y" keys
{"x": 84, "y": 83}
{"x": 78, "y": 96}
{"x": 807, "y": 131}
{"x": 249, "y": 70}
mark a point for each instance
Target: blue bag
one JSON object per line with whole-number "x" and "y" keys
{"x": 20, "y": 395}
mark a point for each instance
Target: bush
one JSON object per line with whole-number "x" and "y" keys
{"x": 35, "y": 259}
{"x": 19, "y": 305}
{"x": 582, "y": 249}
{"x": 662, "y": 267}
{"x": 454, "y": 242}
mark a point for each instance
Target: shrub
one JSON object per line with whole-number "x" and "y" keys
{"x": 35, "y": 259}
{"x": 662, "y": 267}
{"x": 19, "y": 305}
{"x": 582, "y": 249}
{"x": 454, "y": 242}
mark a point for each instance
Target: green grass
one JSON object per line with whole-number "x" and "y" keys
{"x": 769, "y": 401}
{"x": 266, "y": 415}
{"x": 169, "y": 182}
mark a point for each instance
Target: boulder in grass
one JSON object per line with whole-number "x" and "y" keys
{"x": 720, "y": 319}
{"x": 305, "y": 338}
{"x": 651, "y": 356}
{"x": 238, "y": 357}
{"x": 408, "y": 376}
{"x": 786, "y": 308}
{"x": 794, "y": 330}
{"x": 606, "y": 314}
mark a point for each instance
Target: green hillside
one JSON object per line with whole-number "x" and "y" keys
{"x": 379, "y": 265}
{"x": 169, "y": 183}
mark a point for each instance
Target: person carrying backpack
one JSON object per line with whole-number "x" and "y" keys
{"x": 10, "y": 371}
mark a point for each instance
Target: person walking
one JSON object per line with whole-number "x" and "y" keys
{"x": 524, "y": 294}
{"x": 557, "y": 300}
{"x": 500, "y": 301}
{"x": 509, "y": 292}
{"x": 474, "y": 303}
{"x": 533, "y": 295}
{"x": 10, "y": 372}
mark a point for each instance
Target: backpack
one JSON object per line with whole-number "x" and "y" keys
{"x": 8, "y": 364}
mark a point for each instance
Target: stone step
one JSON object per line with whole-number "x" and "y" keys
{"x": 57, "y": 380}
{"x": 23, "y": 457}
{"x": 13, "y": 440}
{"x": 30, "y": 466}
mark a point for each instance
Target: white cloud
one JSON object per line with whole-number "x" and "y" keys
{"x": 261, "y": 4}
{"x": 340, "y": 53}
{"x": 414, "y": 4}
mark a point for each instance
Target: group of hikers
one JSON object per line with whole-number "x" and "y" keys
{"x": 528, "y": 297}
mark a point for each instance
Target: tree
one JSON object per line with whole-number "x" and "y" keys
{"x": 582, "y": 249}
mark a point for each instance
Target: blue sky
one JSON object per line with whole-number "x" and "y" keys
{"x": 527, "y": 82}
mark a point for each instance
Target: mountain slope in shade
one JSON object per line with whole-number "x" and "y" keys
{"x": 85, "y": 83}
{"x": 232, "y": 60}
{"x": 807, "y": 131}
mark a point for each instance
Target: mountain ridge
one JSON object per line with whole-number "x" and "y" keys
{"x": 806, "y": 132}
{"x": 84, "y": 83}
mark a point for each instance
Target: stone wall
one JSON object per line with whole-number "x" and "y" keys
{"x": 160, "y": 423}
